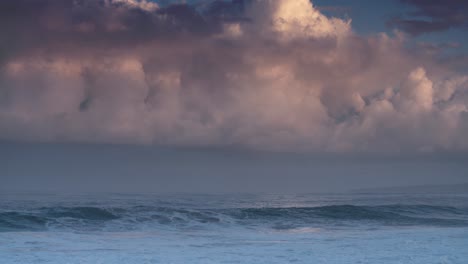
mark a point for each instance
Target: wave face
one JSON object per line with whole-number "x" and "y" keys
{"x": 138, "y": 217}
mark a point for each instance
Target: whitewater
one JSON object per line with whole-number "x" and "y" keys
{"x": 235, "y": 228}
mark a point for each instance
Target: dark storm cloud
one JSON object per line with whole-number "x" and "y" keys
{"x": 433, "y": 16}
{"x": 268, "y": 74}
{"x": 90, "y": 23}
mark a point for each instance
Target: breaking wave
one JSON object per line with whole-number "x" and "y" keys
{"x": 144, "y": 217}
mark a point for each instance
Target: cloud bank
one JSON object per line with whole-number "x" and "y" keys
{"x": 265, "y": 74}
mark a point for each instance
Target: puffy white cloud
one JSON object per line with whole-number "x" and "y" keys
{"x": 416, "y": 92}
{"x": 296, "y": 19}
{"x": 140, "y": 4}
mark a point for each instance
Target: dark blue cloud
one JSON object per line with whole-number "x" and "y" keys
{"x": 432, "y": 16}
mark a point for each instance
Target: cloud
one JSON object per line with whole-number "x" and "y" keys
{"x": 432, "y": 16}
{"x": 275, "y": 75}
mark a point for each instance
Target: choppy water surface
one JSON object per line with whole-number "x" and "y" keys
{"x": 333, "y": 228}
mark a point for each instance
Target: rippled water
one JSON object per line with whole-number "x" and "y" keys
{"x": 333, "y": 228}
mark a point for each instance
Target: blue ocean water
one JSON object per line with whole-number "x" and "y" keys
{"x": 243, "y": 228}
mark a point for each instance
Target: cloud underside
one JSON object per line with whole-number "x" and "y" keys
{"x": 271, "y": 74}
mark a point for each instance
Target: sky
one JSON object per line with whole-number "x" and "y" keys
{"x": 330, "y": 94}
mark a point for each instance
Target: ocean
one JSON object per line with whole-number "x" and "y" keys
{"x": 235, "y": 228}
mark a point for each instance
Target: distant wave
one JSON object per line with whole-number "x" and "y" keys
{"x": 124, "y": 218}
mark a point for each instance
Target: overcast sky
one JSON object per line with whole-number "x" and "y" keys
{"x": 279, "y": 95}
